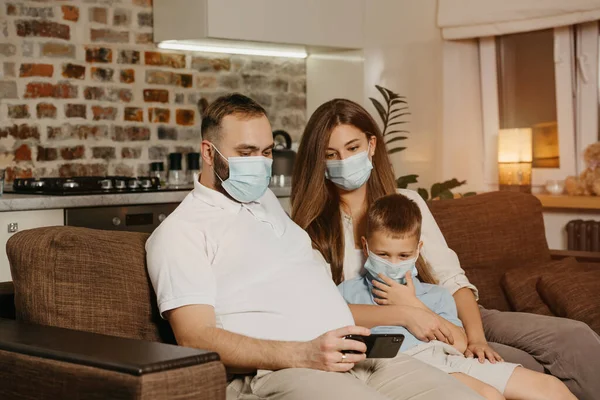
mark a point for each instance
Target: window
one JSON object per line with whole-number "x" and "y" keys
{"x": 527, "y": 91}
{"x": 527, "y": 81}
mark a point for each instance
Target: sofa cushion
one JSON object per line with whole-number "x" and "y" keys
{"x": 520, "y": 285}
{"x": 573, "y": 295}
{"x": 491, "y": 233}
{"x": 87, "y": 280}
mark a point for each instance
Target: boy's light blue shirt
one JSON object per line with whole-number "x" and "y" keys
{"x": 438, "y": 299}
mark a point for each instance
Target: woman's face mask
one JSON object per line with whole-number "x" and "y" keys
{"x": 249, "y": 177}
{"x": 350, "y": 173}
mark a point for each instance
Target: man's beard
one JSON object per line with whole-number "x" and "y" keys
{"x": 220, "y": 169}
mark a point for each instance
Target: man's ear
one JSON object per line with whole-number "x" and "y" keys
{"x": 365, "y": 246}
{"x": 207, "y": 152}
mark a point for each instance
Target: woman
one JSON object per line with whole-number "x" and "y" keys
{"x": 341, "y": 168}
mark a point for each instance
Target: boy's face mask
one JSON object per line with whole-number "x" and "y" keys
{"x": 376, "y": 265}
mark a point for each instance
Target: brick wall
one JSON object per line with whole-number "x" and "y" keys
{"x": 83, "y": 91}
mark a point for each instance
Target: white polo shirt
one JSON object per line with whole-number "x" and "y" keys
{"x": 250, "y": 261}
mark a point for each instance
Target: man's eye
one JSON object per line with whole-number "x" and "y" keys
{"x": 245, "y": 154}
{"x": 267, "y": 153}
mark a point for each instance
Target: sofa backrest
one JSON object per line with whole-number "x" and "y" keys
{"x": 493, "y": 232}
{"x": 87, "y": 280}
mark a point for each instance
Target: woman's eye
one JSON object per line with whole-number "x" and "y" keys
{"x": 354, "y": 148}
{"x": 330, "y": 156}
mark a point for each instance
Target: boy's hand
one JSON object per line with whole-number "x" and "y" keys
{"x": 482, "y": 351}
{"x": 394, "y": 293}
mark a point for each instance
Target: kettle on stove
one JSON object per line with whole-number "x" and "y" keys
{"x": 283, "y": 159}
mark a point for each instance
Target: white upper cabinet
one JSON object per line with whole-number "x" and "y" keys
{"x": 318, "y": 23}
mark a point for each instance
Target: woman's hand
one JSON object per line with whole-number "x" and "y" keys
{"x": 425, "y": 325}
{"x": 482, "y": 350}
{"x": 394, "y": 293}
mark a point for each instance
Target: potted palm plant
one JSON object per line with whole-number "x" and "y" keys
{"x": 393, "y": 113}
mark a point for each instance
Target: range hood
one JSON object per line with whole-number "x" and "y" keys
{"x": 282, "y": 28}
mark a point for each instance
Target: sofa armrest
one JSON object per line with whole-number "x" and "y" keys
{"x": 63, "y": 362}
{"x": 581, "y": 256}
{"x": 7, "y": 300}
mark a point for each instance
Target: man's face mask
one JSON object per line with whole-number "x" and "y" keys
{"x": 249, "y": 177}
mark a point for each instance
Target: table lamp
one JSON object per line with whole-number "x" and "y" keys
{"x": 514, "y": 159}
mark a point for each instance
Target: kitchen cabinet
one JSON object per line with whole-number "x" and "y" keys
{"x": 16, "y": 221}
{"x": 331, "y": 23}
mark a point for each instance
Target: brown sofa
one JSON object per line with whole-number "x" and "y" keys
{"x": 501, "y": 243}
{"x": 95, "y": 281}
{"x": 88, "y": 326}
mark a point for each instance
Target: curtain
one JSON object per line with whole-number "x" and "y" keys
{"x": 462, "y": 132}
{"x": 464, "y": 19}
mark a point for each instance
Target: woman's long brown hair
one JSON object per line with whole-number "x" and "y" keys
{"x": 315, "y": 200}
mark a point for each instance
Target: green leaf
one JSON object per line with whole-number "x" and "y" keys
{"x": 384, "y": 93}
{"x": 397, "y": 123}
{"x": 452, "y": 184}
{"x": 423, "y": 193}
{"x": 394, "y": 95}
{"x": 380, "y": 110}
{"x": 392, "y": 132}
{"x": 398, "y": 110}
{"x": 397, "y": 101}
{"x": 436, "y": 189}
{"x": 396, "y": 139}
{"x": 396, "y": 150}
{"x": 403, "y": 181}
{"x": 446, "y": 195}
{"x": 469, "y": 194}
{"x": 397, "y": 116}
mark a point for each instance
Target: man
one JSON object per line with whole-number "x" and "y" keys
{"x": 233, "y": 274}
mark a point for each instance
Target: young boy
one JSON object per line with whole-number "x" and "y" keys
{"x": 392, "y": 247}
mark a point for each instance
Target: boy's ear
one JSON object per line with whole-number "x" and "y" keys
{"x": 420, "y": 246}
{"x": 365, "y": 246}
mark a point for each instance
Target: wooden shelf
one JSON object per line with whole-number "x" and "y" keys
{"x": 573, "y": 202}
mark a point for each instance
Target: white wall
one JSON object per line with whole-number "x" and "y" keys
{"x": 330, "y": 76}
{"x": 403, "y": 52}
{"x": 555, "y": 222}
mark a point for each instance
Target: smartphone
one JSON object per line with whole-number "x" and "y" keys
{"x": 379, "y": 345}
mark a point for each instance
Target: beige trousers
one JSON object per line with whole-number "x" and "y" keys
{"x": 399, "y": 378}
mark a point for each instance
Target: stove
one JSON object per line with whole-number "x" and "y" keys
{"x": 83, "y": 185}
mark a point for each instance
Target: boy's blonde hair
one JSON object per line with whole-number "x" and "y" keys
{"x": 400, "y": 217}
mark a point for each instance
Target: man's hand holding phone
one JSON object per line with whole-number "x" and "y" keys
{"x": 331, "y": 351}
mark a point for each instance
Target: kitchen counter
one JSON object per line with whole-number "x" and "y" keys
{"x": 21, "y": 202}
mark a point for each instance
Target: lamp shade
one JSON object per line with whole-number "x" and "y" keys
{"x": 514, "y": 159}
{"x": 514, "y": 145}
